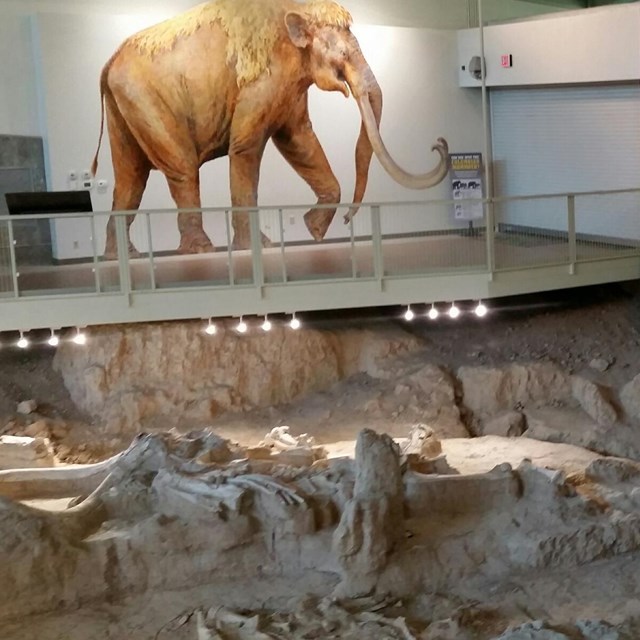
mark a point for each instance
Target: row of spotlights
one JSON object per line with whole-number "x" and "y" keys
{"x": 453, "y": 312}
{"x": 242, "y": 327}
{"x": 78, "y": 338}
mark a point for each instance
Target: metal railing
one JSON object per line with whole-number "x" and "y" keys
{"x": 383, "y": 241}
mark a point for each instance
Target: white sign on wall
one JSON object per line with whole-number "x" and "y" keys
{"x": 466, "y": 184}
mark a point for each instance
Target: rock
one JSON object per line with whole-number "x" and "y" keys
{"x": 536, "y": 630}
{"x": 509, "y": 424}
{"x": 164, "y": 375}
{"x": 594, "y": 401}
{"x": 600, "y": 364}
{"x": 488, "y": 391}
{"x": 630, "y": 398}
{"x": 573, "y": 426}
{"x": 372, "y": 523}
{"x": 436, "y": 401}
{"x": 25, "y": 453}
{"x": 613, "y": 470}
{"x": 597, "y": 630}
{"x": 26, "y": 407}
{"x": 38, "y": 429}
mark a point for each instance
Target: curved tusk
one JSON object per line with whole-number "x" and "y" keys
{"x": 409, "y": 180}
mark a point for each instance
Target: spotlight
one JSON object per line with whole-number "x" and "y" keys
{"x": 433, "y": 313}
{"x": 79, "y": 338}
{"x": 266, "y": 325}
{"x": 481, "y": 310}
{"x": 211, "y": 328}
{"x": 53, "y": 341}
{"x": 242, "y": 326}
{"x": 409, "y": 315}
{"x": 23, "y": 343}
{"x": 454, "y": 312}
{"x": 295, "y": 323}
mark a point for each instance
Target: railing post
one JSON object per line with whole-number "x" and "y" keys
{"x": 152, "y": 265}
{"x": 122, "y": 242}
{"x": 571, "y": 229}
{"x": 227, "y": 226}
{"x": 491, "y": 237}
{"x": 354, "y": 260}
{"x": 94, "y": 248}
{"x": 283, "y": 259}
{"x": 12, "y": 255}
{"x": 256, "y": 249}
{"x": 376, "y": 239}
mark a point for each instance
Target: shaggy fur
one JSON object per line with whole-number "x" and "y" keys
{"x": 252, "y": 27}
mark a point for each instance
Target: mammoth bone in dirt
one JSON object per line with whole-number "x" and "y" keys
{"x": 223, "y": 79}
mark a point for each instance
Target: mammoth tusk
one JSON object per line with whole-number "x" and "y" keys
{"x": 409, "y": 180}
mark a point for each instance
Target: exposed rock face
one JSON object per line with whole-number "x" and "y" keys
{"x": 488, "y": 391}
{"x": 630, "y": 398}
{"x": 372, "y": 522}
{"x": 509, "y": 424}
{"x": 594, "y": 401}
{"x": 172, "y": 373}
{"x": 24, "y": 453}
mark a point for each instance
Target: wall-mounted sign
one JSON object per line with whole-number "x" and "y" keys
{"x": 506, "y": 60}
{"x": 466, "y": 184}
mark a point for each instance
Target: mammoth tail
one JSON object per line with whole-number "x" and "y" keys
{"x": 103, "y": 89}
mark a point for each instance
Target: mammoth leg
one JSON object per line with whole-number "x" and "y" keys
{"x": 131, "y": 172}
{"x": 244, "y": 166}
{"x": 168, "y": 144}
{"x": 302, "y": 150}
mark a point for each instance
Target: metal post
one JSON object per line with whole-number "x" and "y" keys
{"x": 282, "y": 255}
{"x": 256, "y": 249}
{"x": 12, "y": 255}
{"x": 354, "y": 260}
{"x": 376, "y": 244}
{"x": 152, "y": 266}
{"x": 491, "y": 239}
{"x": 96, "y": 266}
{"x": 227, "y": 225}
{"x": 571, "y": 228}
{"x": 122, "y": 241}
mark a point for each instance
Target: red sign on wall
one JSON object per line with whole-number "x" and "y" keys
{"x": 507, "y": 60}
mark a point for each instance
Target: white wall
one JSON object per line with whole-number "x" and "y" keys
{"x": 416, "y": 69}
{"x": 592, "y": 45}
{"x": 18, "y": 103}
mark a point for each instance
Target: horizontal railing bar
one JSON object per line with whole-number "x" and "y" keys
{"x": 341, "y": 205}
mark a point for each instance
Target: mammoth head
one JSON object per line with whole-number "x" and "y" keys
{"x": 336, "y": 63}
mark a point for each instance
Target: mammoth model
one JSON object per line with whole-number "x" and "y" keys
{"x": 222, "y": 79}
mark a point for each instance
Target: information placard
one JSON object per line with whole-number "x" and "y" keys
{"x": 466, "y": 184}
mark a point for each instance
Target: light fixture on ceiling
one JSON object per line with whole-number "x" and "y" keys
{"x": 433, "y": 313}
{"x": 295, "y": 323}
{"x": 53, "y": 340}
{"x": 481, "y": 310}
{"x": 80, "y": 338}
{"x": 409, "y": 315}
{"x": 266, "y": 325}
{"x": 23, "y": 343}
{"x": 241, "y": 326}
{"x": 454, "y": 312}
{"x": 211, "y": 328}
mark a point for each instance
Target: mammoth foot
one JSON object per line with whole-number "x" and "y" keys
{"x": 111, "y": 251}
{"x": 243, "y": 241}
{"x": 318, "y": 221}
{"x": 197, "y": 242}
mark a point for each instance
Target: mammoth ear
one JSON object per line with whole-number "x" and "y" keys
{"x": 298, "y": 29}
